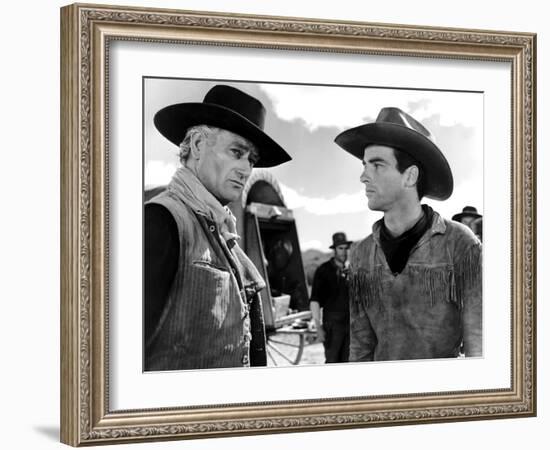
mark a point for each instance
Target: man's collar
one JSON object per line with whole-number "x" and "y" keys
{"x": 438, "y": 224}
{"x": 336, "y": 264}
{"x": 437, "y": 227}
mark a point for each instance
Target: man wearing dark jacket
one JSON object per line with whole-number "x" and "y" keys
{"x": 202, "y": 307}
{"x": 329, "y": 300}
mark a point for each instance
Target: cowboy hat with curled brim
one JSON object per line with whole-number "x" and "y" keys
{"x": 397, "y": 129}
{"x": 467, "y": 211}
{"x": 230, "y": 109}
{"x": 340, "y": 238}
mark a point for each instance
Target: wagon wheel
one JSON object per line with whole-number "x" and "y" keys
{"x": 285, "y": 349}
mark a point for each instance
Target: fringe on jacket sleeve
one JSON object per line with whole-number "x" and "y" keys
{"x": 451, "y": 283}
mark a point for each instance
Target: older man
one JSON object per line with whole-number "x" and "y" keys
{"x": 202, "y": 307}
{"x": 416, "y": 280}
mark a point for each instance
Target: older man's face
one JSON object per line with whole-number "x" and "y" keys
{"x": 224, "y": 165}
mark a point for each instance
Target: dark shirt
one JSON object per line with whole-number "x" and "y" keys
{"x": 161, "y": 255}
{"x": 397, "y": 249}
{"x": 330, "y": 288}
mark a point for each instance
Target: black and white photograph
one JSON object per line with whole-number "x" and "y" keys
{"x": 276, "y": 224}
{"x": 291, "y": 224}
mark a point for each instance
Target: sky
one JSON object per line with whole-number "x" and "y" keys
{"x": 321, "y": 183}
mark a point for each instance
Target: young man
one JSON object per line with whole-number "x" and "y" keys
{"x": 415, "y": 282}
{"x": 329, "y": 297}
{"x": 202, "y": 307}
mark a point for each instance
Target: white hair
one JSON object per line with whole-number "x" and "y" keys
{"x": 206, "y": 131}
{"x": 210, "y": 134}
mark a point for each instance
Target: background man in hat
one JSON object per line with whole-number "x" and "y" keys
{"x": 329, "y": 293}
{"x": 415, "y": 282}
{"x": 477, "y": 228}
{"x": 468, "y": 216}
{"x": 202, "y": 307}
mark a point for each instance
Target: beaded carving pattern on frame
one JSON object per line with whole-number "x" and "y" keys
{"x": 300, "y": 423}
{"x": 84, "y": 210}
{"x": 88, "y": 16}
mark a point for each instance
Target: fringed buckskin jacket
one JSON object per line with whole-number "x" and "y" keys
{"x": 426, "y": 311}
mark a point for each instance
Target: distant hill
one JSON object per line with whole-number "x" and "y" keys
{"x": 312, "y": 259}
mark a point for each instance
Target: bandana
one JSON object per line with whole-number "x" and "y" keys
{"x": 188, "y": 186}
{"x": 397, "y": 249}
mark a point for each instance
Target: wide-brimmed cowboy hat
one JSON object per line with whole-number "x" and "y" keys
{"x": 340, "y": 239}
{"x": 230, "y": 109}
{"x": 467, "y": 211}
{"x": 397, "y": 129}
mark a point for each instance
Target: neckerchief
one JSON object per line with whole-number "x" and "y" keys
{"x": 189, "y": 187}
{"x": 397, "y": 249}
{"x": 342, "y": 268}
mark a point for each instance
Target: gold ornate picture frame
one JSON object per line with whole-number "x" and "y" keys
{"x": 88, "y": 33}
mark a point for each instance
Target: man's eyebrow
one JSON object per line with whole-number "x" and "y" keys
{"x": 246, "y": 147}
{"x": 375, "y": 159}
{"x": 240, "y": 146}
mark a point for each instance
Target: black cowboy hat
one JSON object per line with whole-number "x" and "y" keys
{"x": 230, "y": 109}
{"x": 340, "y": 239}
{"x": 397, "y": 129}
{"x": 467, "y": 211}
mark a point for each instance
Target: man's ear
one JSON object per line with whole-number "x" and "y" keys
{"x": 196, "y": 145}
{"x": 411, "y": 176}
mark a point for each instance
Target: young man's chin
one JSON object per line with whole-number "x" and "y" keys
{"x": 373, "y": 206}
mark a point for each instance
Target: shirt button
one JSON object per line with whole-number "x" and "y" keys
{"x": 245, "y": 359}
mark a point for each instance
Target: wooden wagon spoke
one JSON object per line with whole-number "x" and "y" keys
{"x": 273, "y": 360}
{"x": 284, "y": 343}
{"x": 280, "y": 353}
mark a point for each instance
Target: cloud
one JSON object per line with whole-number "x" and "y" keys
{"x": 158, "y": 173}
{"x": 346, "y": 107}
{"x": 453, "y": 109}
{"x": 316, "y": 106}
{"x": 314, "y": 244}
{"x": 339, "y": 204}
